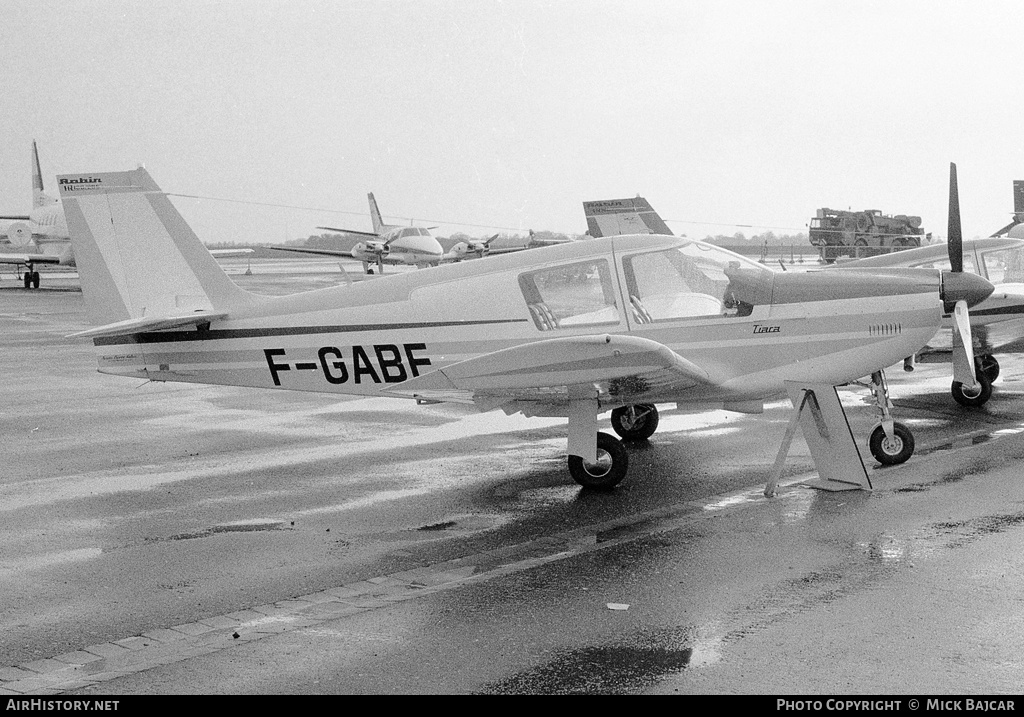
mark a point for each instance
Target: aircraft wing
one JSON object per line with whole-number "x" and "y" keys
{"x": 150, "y": 323}
{"x": 322, "y": 252}
{"x": 544, "y": 375}
{"x": 351, "y": 231}
{"x": 6, "y": 258}
{"x": 230, "y": 252}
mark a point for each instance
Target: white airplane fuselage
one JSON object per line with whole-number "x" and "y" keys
{"x": 368, "y": 338}
{"x": 401, "y": 245}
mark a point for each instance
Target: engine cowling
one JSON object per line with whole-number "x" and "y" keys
{"x": 19, "y": 234}
{"x": 369, "y": 251}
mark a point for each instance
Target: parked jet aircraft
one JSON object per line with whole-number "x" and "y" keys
{"x": 43, "y": 230}
{"x": 390, "y": 244}
{"x": 996, "y": 322}
{"x": 619, "y": 323}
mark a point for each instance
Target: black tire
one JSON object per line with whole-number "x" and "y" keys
{"x": 610, "y": 469}
{"x": 635, "y": 423}
{"x": 895, "y": 451}
{"x": 35, "y": 279}
{"x": 987, "y": 365}
{"x": 973, "y": 399}
{"x": 28, "y": 279}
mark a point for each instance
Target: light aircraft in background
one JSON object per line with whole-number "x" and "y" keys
{"x": 614, "y": 217}
{"x": 386, "y": 244}
{"x": 619, "y": 323}
{"x": 478, "y": 249}
{"x": 475, "y": 249}
{"x": 1018, "y": 211}
{"x": 997, "y": 322}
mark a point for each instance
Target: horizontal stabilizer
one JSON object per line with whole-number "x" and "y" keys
{"x": 29, "y": 259}
{"x": 350, "y": 231}
{"x": 149, "y": 323}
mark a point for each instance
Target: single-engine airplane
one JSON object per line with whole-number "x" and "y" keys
{"x": 386, "y": 244}
{"x": 618, "y": 323}
{"x": 997, "y": 322}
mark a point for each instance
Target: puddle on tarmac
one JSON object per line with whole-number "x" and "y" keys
{"x": 247, "y": 526}
{"x": 621, "y": 668}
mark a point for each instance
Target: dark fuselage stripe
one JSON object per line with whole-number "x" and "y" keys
{"x": 162, "y": 337}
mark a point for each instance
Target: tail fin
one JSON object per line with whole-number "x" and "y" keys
{"x": 39, "y": 197}
{"x": 378, "y": 223}
{"x": 1018, "y": 211}
{"x": 136, "y": 256}
{"x": 612, "y": 217}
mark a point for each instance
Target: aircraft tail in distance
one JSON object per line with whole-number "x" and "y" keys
{"x": 39, "y": 197}
{"x": 138, "y": 259}
{"x": 613, "y": 217}
{"x": 379, "y": 227}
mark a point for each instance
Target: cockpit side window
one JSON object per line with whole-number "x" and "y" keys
{"x": 571, "y": 295}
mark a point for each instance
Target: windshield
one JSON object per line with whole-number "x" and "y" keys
{"x": 694, "y": 280}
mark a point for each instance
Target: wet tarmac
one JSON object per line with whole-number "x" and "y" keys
{"x": 163, "y": 539}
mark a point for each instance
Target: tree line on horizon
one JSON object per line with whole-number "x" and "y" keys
{"x": 340, "y": 242}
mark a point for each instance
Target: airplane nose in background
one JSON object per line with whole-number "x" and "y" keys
{"x": 957, "y": 286}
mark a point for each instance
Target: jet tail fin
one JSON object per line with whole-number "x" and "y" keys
{"x": 136, "y": 255}
{"x": 39, "y": 197}
{"x": 612, "y": 217}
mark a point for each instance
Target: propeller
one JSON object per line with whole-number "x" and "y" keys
{"x": 959, "y": 292}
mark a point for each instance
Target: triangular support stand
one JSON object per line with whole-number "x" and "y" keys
{"x": 818, "y": 411}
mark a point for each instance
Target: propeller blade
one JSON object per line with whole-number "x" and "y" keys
{"x": 380, "y": 264}
{"x": 963, "y": 347}
{"x": 955, "y": 241}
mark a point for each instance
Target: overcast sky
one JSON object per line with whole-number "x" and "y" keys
{"x": 509, "y": 114}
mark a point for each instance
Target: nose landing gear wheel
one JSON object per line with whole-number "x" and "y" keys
{"x": 895, "y": 450}
{"x": 609, "y": 469}
{"x": 635, "y": 423}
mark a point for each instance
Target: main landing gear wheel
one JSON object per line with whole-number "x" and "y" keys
{"x": 31, "y": 279}
{"x": 973, "y": 398}
{"x": 635, "y": 423}
{"x": 610, "y": 468}
{"x": 895, "y": 450}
